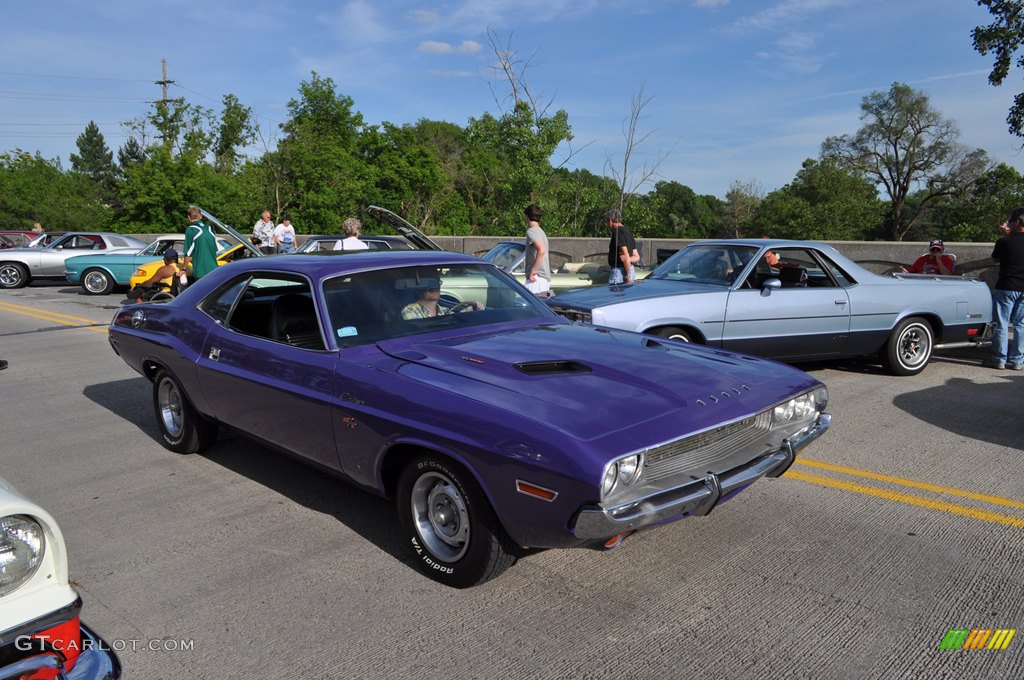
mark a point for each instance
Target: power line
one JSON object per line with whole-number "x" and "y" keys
{"x": 45, "y": 75}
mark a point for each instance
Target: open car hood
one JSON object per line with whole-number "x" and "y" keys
{"x": 411, "y": 233}
{"x": 217, "y": 224}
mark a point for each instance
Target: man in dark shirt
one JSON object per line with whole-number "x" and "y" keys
{"x": 1008, "y": 298}
{"x": 622, "y": 252}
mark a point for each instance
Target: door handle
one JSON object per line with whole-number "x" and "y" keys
{"x": 840, "y": 302}
{"x": 215, "y": 354}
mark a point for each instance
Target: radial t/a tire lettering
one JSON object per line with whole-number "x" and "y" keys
{"x": 454, "y": 534}
{"x": 182, "y": 429}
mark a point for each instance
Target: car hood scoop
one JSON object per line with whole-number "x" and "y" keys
{"x": 589, "y": 381}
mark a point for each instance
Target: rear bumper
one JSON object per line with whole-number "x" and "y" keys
{"x": 696, "y": 498}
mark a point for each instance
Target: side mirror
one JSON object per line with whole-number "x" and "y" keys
{"x": 768, "y": 285}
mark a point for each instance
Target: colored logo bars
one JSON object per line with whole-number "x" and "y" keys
{"x": 977, "y": 638}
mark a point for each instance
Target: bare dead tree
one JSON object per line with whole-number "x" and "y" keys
{"x": 629, "y": 180}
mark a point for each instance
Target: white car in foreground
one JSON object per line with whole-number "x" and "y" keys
{"x": 41, "y": 634}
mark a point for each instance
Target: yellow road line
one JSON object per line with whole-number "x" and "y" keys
{"x": 907, "y": 498}
{"x": 16, "y": 308}
{"x": 995, "y": 500}
{"x": 53, "y": 317}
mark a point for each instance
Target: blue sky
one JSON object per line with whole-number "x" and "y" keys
{"x": 741, "y": 90}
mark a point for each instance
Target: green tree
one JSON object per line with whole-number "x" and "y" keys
{"x": 236, "y": 130}
{"x": 682, "y": 213}
{"x": 908, "y": 148}
{"x": 823, "y": 202}
{"x": 321, "y": 178}
{"x": 974, "y": 218}
{"x": 740, "y": 210}
{"x": 96, "y": 161}
{"x": 1004, "y": 37}
{"x": 34, "y": 189}
{"x": 130, "y": 153}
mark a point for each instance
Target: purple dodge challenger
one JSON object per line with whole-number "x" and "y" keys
{"x": 495, "y": 424}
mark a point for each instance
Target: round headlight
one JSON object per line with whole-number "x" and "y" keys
{"x": 22, "y": 545}
{"x": 783, "y": 412}
{"x": 629, "y": 469}
{"x": 608, "y": 483}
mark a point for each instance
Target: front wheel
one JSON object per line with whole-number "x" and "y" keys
{"x": 455, "y": 535}
{"x": 674, "y": 333}
{"x": 97, "y": 282}
{"x": 909, "y": 347}
{"x": 13, "y": 275}
{"x": 182, "y": 429}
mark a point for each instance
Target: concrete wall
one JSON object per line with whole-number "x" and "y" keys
{"x": 973, "y": 259}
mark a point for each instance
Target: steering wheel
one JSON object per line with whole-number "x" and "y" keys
{"x": 462, "y": 307}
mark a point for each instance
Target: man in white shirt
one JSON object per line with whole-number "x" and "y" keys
{"x": 263, "y": 231}
{"x": 284, "y": 237}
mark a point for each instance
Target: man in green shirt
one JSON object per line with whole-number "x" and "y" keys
{"x": 200, "y": 245}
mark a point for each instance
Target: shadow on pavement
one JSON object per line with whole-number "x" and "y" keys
{"x": 365, "y": 513}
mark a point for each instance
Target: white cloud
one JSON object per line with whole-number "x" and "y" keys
{"x": 469, "y": 47}
{"x": 786, "y": 13}
{"x": 710, "y": 3}
{"x": 450, "y": 74}
{"x": 435, "y": 47}
{"x": 356, "y": 23}
{"x": 424, "y": 16}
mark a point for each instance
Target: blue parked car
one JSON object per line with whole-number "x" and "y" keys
{"x": 99, "y": 273}
{"x": 792, "y": 301}
{"x": 495, "y": 427}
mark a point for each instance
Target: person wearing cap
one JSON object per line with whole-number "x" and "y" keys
{"x": 428, "y": 292}
{"x": 164, "y": 275}
{"x": 1008, "y": 297}
{"x": 934, "y": 261}
{"x": 538, "y": 260}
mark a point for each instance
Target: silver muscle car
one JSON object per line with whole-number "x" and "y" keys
{"x": 791, "y": 300}
{"x": 21, "y": 266}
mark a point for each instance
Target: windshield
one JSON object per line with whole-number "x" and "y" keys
{"x": 713, "y": 263}
{"x": 379, "y": 305}
{"x": 504, "y": 255}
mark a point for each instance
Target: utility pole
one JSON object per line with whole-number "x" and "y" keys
{"x": 164, "y": 83}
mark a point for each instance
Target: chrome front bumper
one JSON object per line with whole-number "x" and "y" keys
{"x": 698, "y": 497}
{"x": 96, "y": 662}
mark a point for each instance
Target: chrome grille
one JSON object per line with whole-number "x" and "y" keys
{"x": 574, "y": 314}
{"x": 704, "y": 448}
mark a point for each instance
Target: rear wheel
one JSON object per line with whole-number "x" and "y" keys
{"x": 97, "y": 282}
{"x": 454, "y": 533}
{"x": 674, "y": 332}
{"x": 182, "y": 429}
{"x": 909, "y": 347}
{"x": 13, "y": 275}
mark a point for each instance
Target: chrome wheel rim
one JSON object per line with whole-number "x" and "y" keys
{"x": 915, "y": 346}
{"x": 95, "y": 282}
{"x": 10, "y": 276}
{"x": 440, "y": 515}
{"x": 169, "y": 401}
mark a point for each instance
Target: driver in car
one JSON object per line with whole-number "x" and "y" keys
{"x": 427, "y": 295}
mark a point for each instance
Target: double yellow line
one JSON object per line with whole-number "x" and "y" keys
{"x": 908, "y": 498}
{"x": 54, "y": 317}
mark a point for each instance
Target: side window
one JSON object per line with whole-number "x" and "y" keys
{"x": 798, "y": 268}
{"x": 219, "y": 304}
{"x": 838, "y": 274}
{"x": 278, "y": 308}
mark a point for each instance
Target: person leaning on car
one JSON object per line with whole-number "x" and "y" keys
{"x": 622, "y": 252}
{"x": 200, "y": 245}
{"x": 1008, "y": 297}
{"x": 933, "y": 262}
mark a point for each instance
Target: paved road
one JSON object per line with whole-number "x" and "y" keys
{"x": 904, "y": 521}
